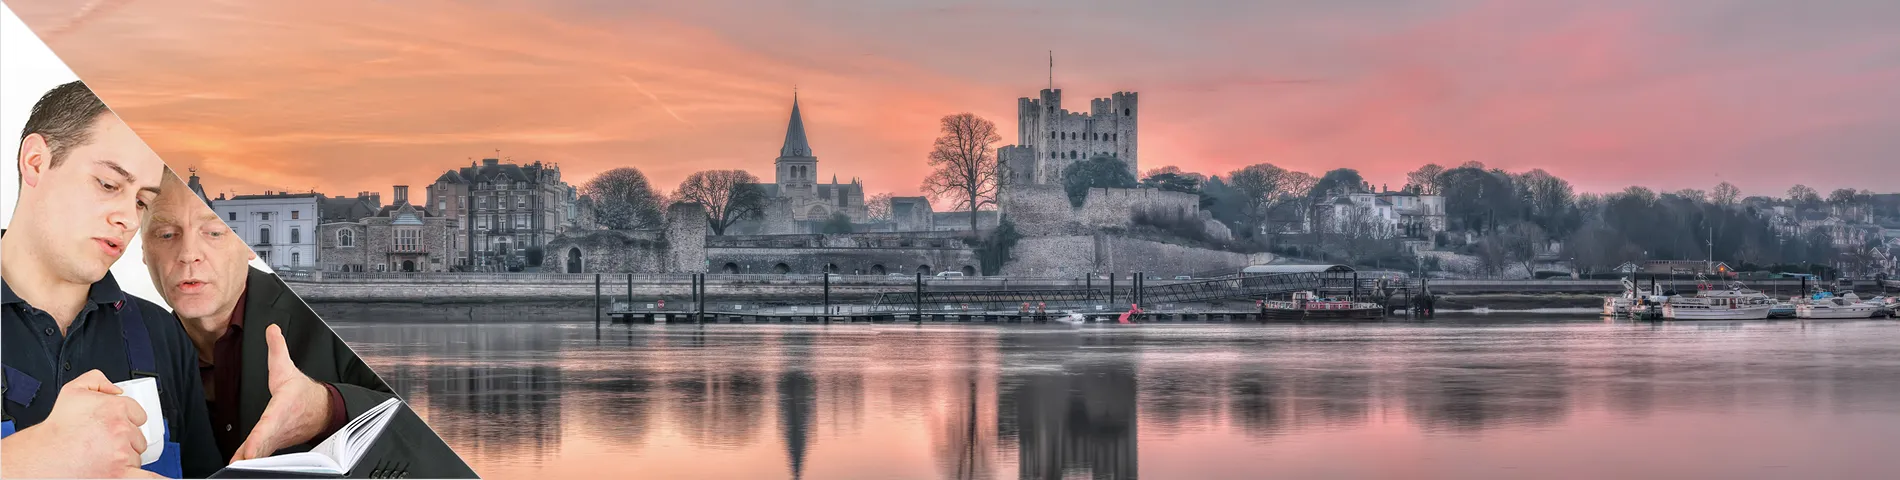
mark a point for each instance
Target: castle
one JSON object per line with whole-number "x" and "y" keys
{"x": 1050, "y": 138}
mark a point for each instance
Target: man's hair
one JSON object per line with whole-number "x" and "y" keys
{"x": 64, "y": 117}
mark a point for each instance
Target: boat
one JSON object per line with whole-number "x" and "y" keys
{"x": 1307, "y": 305}
{"x": 1738, "y": 302}
{"x": 1782, "y": 310}
{"x": 1634, "y": 302}
{"x": 1827, "y": 306}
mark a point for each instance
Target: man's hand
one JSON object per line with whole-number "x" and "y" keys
{"x": 299, "y": 407}
{"x": 91, "y": 433}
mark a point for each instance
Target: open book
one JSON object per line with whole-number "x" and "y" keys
{"x": 332, "y": 458}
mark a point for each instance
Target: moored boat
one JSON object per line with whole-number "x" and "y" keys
{"x": 1736, "y": 303}
{"x": 1844, "y": 306}
{"x": 1309, "y": 306}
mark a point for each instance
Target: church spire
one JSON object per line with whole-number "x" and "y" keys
{"x": 795, "y": 143}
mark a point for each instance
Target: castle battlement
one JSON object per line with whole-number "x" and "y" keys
{"x": 1055, "y": 137}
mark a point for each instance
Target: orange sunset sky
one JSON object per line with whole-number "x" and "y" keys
{"x": 351, "y": 95}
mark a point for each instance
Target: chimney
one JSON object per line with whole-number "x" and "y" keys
{"x": 490, "y": 162}
{"x": 402, "y": 194}
{"x": 269, "y": 192}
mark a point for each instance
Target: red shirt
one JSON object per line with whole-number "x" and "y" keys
{"x": 223, "y": 384}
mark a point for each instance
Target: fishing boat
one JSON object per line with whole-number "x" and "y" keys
{"x": 1738, "y": 302}
{"x": 1827, "y": 306}
{"x": 1307, "y": 305}
{"x": 1782, "y": 310}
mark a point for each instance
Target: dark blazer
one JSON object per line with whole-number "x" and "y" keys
{"x": 322, "y": 356}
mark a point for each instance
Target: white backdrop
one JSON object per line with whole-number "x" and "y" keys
{"x": 27, "y": 70}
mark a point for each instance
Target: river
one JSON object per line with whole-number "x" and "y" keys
{"x": 1456, "y": 397}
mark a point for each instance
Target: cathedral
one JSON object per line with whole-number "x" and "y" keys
{"x": 797, "y": 202}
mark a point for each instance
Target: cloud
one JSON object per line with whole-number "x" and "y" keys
{"x": 356, "y": 95}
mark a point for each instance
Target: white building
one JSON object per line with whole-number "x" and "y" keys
{"x": 280, "y": 227}
{"x": 1386, "y": 214}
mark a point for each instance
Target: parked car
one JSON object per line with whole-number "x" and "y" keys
{"x": 950, "y": 274}
{"x": 1183, "y": 277}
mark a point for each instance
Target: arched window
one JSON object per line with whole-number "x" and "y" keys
{"x": 1052, "y": 154}
{"x": 263, "y": 235}
{"x": 344, "y": 238}
{"x": 1128, "y": 112}
{"x": 296, "y": 258}
{"x": 1052, "y": 135}
{"x": 781, "y": 269}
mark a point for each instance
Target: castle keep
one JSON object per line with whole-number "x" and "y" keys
{"x": 1050, "y": 138}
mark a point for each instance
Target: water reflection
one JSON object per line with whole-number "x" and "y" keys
{"x": 981, "y": 402}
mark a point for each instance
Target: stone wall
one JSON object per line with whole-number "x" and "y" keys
{"x": 679, "y": 246}
{"x": 686, "y": 231}
{"x": 1075, "y": 255}
{"x": 1113, "y": 207}
{"x": 866, "y": 261}
{"x": 1039, "y": 210}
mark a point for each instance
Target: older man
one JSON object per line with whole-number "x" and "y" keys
{"x": 274, "y": 375}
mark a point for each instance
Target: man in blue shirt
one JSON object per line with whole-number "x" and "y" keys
{"x": 69, "y": 331}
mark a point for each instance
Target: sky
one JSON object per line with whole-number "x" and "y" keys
{"x": 352, "y": 95}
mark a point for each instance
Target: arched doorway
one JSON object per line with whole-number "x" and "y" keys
{"x": 781, "y": 269}
{"x": 730, "y": 268}
{"x": 409, "y": 265}
{"x": 969, "y": 271}
{"x": 923, "y": 269}
{"x": 878, "y": 269}
{"x": 831, "y": 268}
{"x": 573, "y": 260}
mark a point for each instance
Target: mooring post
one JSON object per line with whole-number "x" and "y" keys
{"x": 629, "y": 292}
{"x": 1355, "y": 286}
{"x": 702, "y": 295}
{"x": 920, "y": 297}
{"x": 596, "y": 304}
{"x": 1111, "y": 288}
{"x": 827, "y": 285}
{"x": 1088, "y": 287}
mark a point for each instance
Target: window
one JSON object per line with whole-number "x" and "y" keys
{"x": 481, "y": 202}
{"x": 521, "y": 185}
{"x": 296, "y": 214}
{"x": 265, "y": 215}
{"x": 296, "y": 235}
{"x": 263, "y": 235}
{"x": 233, "y": 216}
{"x": 521, "y": 220}
{"x": 461, "y": 201}
{"x": 1052, "y": 154}
{"x": 408, "y": 240}
{"x": 1052, "y": 135}
{"x": 521, "y": 200}
{"x": 481, "y": 222}
{"x": 264, "y": 255}
{"x": 1128, "y": 112}
{"x": 296, "y": 259}
{"x": 442, "y": 206}
{"x": 379, "y": 267}
{"x": 345, "y": 238}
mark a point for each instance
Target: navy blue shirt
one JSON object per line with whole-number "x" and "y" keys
{"x": 39, "y": 361}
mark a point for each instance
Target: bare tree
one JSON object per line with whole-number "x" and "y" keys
{"x": 1725, "y": 194}
{"x": 964, "y": 163}
{"x": 1424, "y": 181}
{"x": 1262, "y": 186}
{"x": 728, "y": 196}
{"x": 1803, "y": 196}
{"x": 879, "y": 207}
{"x": 623, "y": 199}
{"x": 1693, "y": 194}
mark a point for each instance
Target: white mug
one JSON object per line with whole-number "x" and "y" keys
{"x": 145, "y": 391}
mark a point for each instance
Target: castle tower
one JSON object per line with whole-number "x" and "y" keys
{"x": 797, "y": 168}
{"x": 1057, "y": 137}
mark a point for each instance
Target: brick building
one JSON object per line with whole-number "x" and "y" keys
{"x": 399, "y": 238}
{"x": 503, "y": 210}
